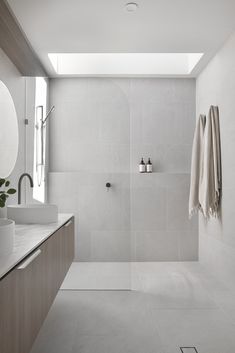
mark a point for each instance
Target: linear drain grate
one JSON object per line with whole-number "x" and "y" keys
{"x": 188, "y": 350}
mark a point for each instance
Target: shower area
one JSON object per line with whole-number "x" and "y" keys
{"x": 101, "y": 128}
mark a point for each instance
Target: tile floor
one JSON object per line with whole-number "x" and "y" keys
{"x": 171, "y": 305}
{"x": 98, "y": 276}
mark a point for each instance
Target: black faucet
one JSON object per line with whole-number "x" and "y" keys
{"x": 19, "y": 185}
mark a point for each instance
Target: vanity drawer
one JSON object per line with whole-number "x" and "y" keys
{"x": 31, "y": 288}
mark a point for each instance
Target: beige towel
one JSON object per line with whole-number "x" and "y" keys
{"x": 196, "y": 165}
{"x": 210, "y": 183}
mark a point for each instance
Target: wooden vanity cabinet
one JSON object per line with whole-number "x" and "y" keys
{"x": 9, "y": 314}
{"x": 28, "y": 291}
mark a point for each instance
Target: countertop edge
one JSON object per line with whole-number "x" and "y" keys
{"x": 8, "y": 263}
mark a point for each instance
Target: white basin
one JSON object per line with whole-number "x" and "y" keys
{"x": 33, "y": 213}
{"x": 7, "y": 231}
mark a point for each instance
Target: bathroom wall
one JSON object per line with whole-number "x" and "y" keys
{"x": 99, "y": 131}
{"x": 23, "y": 93}
{"x": 216, "y": 85}
{"x": 16, "y": 85}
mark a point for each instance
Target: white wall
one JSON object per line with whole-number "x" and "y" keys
{"x": 216, "y": 85}
{"x": 23, "y": 93}
{"x": 16, "y": 85}
{"x": 98, "y": 133}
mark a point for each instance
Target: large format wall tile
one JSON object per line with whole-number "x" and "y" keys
{"x": 100, "y": 158}
{"x": 216, "y": 85}
{"x": 177, "y": 158}
{"x": 162, "y": 122}
{"x": 165, "y": 246}
{"x": 100, "y": 130}
{"x": 188, "y": 245}
{"x": 161, "y": 227}
{"x": 105, "y": 210}
{"x": 148, "y": 208}
{"x": 91, "y": 129}
{"x": 110, "y": 246}
{"x": 102, "y": 217}
{"x": 177, "y": 210}
{"x": 156, "y": 246}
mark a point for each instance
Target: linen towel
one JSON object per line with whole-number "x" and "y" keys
{"x": 210, "y": 183}
{"x": 196, "y": 165}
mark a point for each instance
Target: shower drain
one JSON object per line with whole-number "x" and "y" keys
{"x": 188, "y": 350}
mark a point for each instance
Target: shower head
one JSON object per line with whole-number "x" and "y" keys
{"x": 48, "y": 114}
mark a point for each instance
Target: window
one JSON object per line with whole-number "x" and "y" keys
{"x": 40, "y": 140}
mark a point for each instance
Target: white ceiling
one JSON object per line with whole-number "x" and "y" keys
{"x": 104, "y": 26}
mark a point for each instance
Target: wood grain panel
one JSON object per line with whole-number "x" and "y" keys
{"x": 10, "y": 303}
{"x": 31, "y": 310}
{"x": 15, "y": 44}
{"x": 26, "y": 295}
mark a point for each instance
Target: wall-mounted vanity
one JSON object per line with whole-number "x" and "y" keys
{"x": 30, "y": 279}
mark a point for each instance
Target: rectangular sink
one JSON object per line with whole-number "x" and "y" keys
{"x": 33, "y": 213}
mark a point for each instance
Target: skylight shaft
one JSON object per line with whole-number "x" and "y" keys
{"x": 124, "y": 63}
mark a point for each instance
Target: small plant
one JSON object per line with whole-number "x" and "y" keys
{"x": 4, "y": 194}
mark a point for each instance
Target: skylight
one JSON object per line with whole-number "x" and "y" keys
{"x": 92, "y": 64}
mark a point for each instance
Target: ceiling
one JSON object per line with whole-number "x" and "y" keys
{"x": 104, "y": 26}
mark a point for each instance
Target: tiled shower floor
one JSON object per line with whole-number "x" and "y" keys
{"x": 171, "y": 305}
{"x": 99, "y": 276}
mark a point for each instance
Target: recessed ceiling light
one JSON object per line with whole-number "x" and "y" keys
{"x": 131, "y": 6}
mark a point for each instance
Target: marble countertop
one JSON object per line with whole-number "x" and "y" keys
{"x": 27, "y": 238}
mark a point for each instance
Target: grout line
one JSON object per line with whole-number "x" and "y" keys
{"x": 95, "y": 290}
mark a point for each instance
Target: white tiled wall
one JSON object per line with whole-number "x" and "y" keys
{"x": 159, "y": 218}
{"x": 100, "y": 130}
{"x": 216, "y": 85}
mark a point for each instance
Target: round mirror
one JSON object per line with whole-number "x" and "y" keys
{"x": 8, "y": 132}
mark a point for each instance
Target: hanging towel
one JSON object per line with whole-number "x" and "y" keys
{"x": 210, "y": 183}
{"x": 196, "y": 165}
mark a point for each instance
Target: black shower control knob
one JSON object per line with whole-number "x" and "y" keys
{"x": 108, "y": 185}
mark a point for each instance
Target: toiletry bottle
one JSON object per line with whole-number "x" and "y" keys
{"x": 149, "y": 166}
{"x": 142, "y": 168}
